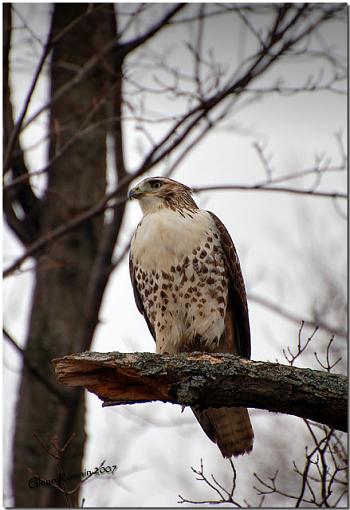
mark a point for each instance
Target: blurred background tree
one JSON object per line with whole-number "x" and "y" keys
{"x": 96, "y": 95}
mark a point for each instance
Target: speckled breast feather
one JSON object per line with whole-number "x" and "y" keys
{"x": 181, "y": 276}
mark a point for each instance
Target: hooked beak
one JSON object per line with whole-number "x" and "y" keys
{"x": 134, "y": 193}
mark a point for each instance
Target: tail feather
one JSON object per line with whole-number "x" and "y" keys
{"x": 229, "y": 427}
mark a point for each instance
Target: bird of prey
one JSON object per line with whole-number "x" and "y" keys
{"x": 189, "y": 287}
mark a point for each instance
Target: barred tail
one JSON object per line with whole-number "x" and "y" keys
{"x": 229, "y": 427}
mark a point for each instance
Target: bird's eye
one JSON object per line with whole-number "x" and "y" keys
{"x": 156, "y": 185}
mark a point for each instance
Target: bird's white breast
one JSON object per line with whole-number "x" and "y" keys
{"x": 165, "y": 236}
{"x": 181, "y": 278}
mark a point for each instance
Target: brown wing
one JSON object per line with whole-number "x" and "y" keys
{"x": 230, "y": 427}
{"x": 237, "y": 307}
{"x": 137, "y": 297}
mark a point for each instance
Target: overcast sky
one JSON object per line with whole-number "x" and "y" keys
{"x": 274, "y": 234}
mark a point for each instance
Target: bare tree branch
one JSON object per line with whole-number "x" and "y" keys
{"x": 225, "y": 496}
{"x": 267, "y": 303}
{"x": 34, "y": 371}
{"x": 86, "y": 127}
{"x": 50, "y": 43}
{"x": 15, "y": 132}
{"x": 278, "y": 189}
{"x": 208, "y": 380}
{"x": 181, "y": 130}
{"x": 159, "y": 25}
{"x": 26, "y": 228}
{"x": 262, "y": 61}
{"x": 61, "y": 231}
{"x": 320, "y": 485}
{"x": 18, "y": 226}
{"x": 121, "y": 50}
{"x": 100, "y": 207}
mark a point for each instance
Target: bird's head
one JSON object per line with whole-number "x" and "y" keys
{"x": 156, "y": 193}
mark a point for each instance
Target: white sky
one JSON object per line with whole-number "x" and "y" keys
{"x": 272, "y": 233}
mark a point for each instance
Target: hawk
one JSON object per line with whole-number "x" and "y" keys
{"x": 189, "y": 287}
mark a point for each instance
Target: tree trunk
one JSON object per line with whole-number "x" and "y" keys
{"x": 75, "y": 183}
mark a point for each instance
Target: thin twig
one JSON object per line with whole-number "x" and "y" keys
{"x": 34, "y": 371}
{"x": 277, "y": 189}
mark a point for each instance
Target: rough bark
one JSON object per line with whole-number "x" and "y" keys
{"x": 75, "y": 183}
{"x": 205, "y": 380}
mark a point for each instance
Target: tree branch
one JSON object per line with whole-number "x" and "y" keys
{"x": 25, "y": 228}
{"x": 17, "y": 225}
{"x": 34, "y": 371}
{"x": 120, "y": 51}
{"x": 61, "y": 231}
{"x": 17, "y": 127}
{"x": 278, "y": 189}
{"x": 185, "y": 126}
{"x": 279, "y": 40}
{"x": 50, "y": 43}
{"x": 275, "y": 307}
{"x": 159, "y": 25}
{"x": 208, "y": 380}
